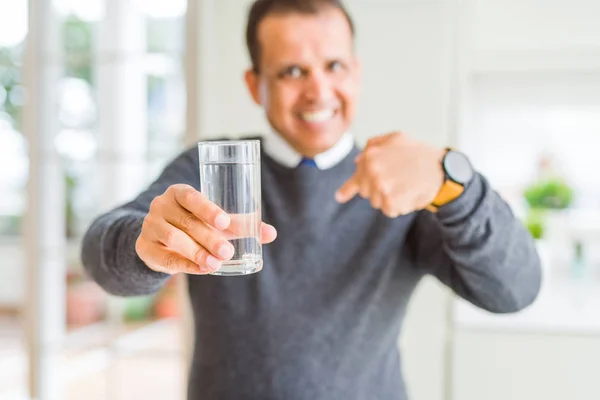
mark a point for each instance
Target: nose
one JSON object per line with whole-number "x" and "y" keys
{"x": 318, "y": 86}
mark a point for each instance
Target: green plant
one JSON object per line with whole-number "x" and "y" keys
{"x": 535, "y": 223}
{"x": 138, "y": 308}
{"x": 78, "y": 46}
{"x": 550, "y": 193}
{"x": 71, "y": 218}
{"x": 11, "y": 225}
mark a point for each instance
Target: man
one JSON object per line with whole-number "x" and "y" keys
{"x": 356, "y": 232}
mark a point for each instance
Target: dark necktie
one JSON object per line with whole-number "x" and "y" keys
{"x": 309, "y": 162}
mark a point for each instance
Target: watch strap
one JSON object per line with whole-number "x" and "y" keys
{"x": 450, "y": 190}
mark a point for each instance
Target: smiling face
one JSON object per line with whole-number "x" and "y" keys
{"x": 308, "y": 77}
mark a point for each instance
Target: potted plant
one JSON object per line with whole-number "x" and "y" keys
{"x": 543, "y": 196}
{"x": 552, "y": 193}
{"x": 546, "y": 198}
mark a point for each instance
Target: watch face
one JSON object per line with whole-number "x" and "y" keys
{"x": 458, "y": 167}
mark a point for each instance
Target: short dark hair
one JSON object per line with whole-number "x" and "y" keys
{"x": 262, "y": 8}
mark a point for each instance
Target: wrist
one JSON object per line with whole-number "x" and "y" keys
{"x": 440, "y": 178}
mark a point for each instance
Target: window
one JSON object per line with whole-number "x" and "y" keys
{"x": 516, "y": 120}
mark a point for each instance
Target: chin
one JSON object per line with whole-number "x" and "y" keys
{"x": 318, "y": 143}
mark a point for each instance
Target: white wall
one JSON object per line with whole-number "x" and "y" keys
{"x": 534, "y": 34}
{"x": 535, "y": 25}
{"x": 501, "y": 366}
{"x": 532, "y": 71}
{"x": 406, "y": 48}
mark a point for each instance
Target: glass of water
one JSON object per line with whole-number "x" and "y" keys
{"x": 230, "y": 178}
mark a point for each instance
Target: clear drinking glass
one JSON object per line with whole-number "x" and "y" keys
{"x": 230, "y": 178}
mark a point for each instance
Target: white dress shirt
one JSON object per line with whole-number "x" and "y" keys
{"x": 280, "y": 150}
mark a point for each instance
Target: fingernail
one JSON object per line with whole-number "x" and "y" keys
{"x": 339, "y": 197}
{"x": 213, "y": 263}
{"x": 226, "y": 251}
{"x": 273, "y": 230}
{"x": 222, "y": 221}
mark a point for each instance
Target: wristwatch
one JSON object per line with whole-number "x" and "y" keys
{"x": 458, "y": 172}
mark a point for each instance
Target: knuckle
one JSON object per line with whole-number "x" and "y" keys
{"x": 370, "y": 154}
{"x": 363, "y": 192}
{"x": 203, "y": 236}
{"x": 151, "y": 224}
{"x": 188, "y": 195}
{"x": 155, "y": 204}
{"x": 148, "y": 231}
{"x": 199, "y": 256}
{"x": 372, "y": 168}
{"x": 174, "y": 190}
{"x": 187, "y": 222}
{"x": 169, "y": 237}
{"x": 213, "y": 242}
{"x": 171, "y": 261}
{"x": 380, "y": 185}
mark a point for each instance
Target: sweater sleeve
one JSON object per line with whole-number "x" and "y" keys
{"x": 108, "y": 249}
{"x": 477, "y": 247}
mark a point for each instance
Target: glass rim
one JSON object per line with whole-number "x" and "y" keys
{"x": 233, "y": 142}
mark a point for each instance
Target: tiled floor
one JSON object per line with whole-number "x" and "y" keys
{"x": 104, "y": 362}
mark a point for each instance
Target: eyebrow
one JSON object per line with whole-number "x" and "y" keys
{"x": 344, "y": 60}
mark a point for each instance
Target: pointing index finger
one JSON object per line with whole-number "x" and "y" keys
{"x": 348, "y": 190}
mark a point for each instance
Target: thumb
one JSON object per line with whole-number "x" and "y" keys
{"x": 377, "y": 140}
{"x": 268, "y": 233}
{"x": 348, "y": 190}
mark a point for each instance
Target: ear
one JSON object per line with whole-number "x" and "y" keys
{"x": 253, "y": 83}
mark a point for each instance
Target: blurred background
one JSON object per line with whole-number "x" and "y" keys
{"x": 97, "y": 95}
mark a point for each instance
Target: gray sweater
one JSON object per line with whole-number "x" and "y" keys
{"x": 321, "y": 320}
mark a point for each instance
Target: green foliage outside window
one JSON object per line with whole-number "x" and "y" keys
{"x": 551, "y": 193}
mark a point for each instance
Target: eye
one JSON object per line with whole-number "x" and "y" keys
{"x": 335, "y": 66}
{"x": 293, "y": 72}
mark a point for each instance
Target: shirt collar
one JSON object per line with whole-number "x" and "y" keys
{"x": 280, "y": 150}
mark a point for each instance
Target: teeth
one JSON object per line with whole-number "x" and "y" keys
{"x": 318, "y": 116}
